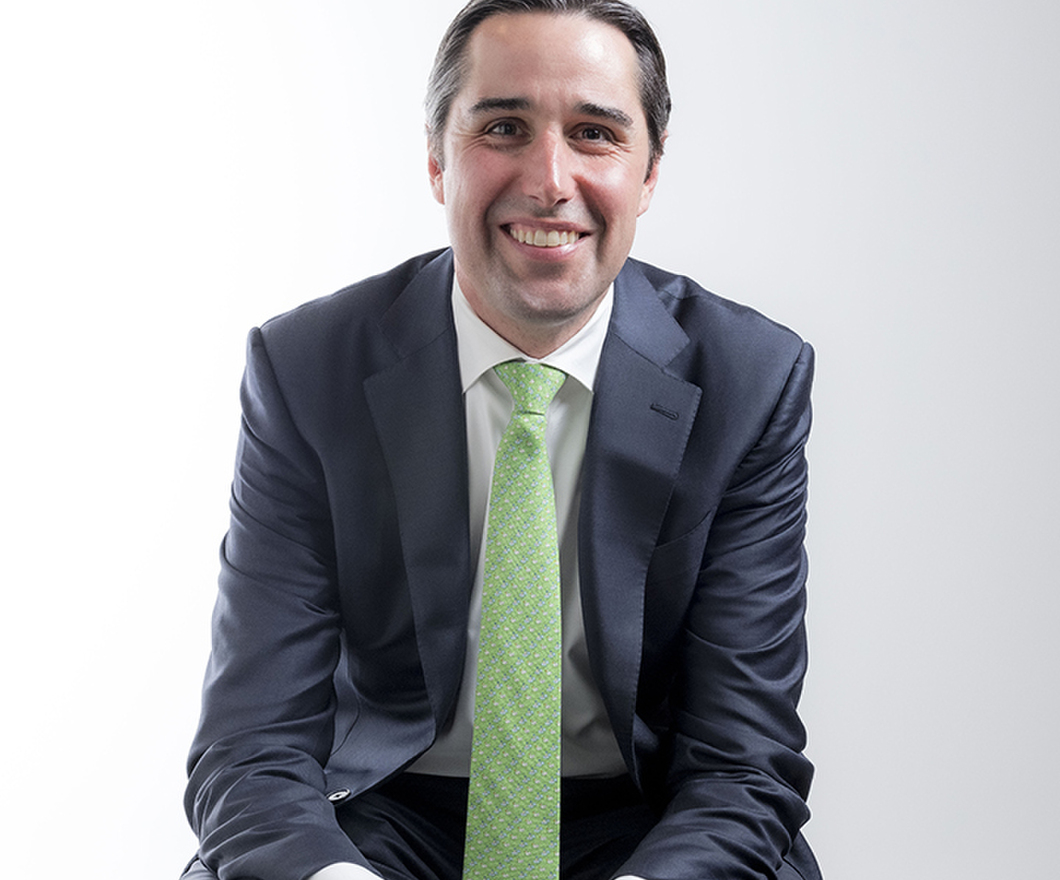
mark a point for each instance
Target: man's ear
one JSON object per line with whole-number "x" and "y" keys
{"x": 650, "y": 181}
{"x": 436, "y": 174}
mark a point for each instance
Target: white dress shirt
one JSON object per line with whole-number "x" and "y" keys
{"x": 589, "y": 747}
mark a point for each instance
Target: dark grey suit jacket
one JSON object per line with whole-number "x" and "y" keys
{"x": 340, "y": 627}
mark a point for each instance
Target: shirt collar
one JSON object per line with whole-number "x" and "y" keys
{"x": 480, "y": 348}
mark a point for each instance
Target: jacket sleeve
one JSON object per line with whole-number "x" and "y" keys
{"x": 738, "y": 781}
{"x": 256, "y": 796}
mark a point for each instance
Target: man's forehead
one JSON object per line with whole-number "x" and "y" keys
{"x": 506, "y": 52}
{"x": 512, "y": 26}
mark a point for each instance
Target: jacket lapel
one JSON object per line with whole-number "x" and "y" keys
{"x": 641, "y": 420}
{"x": 642, "y": 416}
{"x": 417, "y": 405}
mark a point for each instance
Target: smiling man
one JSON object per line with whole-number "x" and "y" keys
{"x": 515, "y": 581}
{"x": 544, "y": 165}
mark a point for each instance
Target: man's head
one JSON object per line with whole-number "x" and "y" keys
{"x": 544, "y": 155}
{"x": 449, "y": 68}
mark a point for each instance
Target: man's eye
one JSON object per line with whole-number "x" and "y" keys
{"x": 504, "y": 129}
{"x": 592, "y": 133}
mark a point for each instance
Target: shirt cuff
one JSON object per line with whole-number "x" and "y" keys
{"x": 344, "y": 871}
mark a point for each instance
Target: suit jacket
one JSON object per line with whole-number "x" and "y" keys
{"x": 340, "y": 626}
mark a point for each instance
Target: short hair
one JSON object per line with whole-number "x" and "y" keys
{"x": 447, "y": 74}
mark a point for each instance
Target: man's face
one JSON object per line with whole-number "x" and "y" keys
{"x": 544, "y": 172}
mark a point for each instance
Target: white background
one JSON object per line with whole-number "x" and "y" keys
{"x": 883, "y": 176}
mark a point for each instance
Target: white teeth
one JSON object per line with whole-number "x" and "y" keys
{"x": 540, "y": 238}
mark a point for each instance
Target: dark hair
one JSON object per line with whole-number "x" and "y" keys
{"x": 447, "y": 74}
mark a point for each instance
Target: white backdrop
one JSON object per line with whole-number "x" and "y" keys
{"x": 882, "y": 176}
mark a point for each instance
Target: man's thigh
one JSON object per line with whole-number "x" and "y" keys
{"x": 604, "y": 820}
{"x": 412, "y": 828}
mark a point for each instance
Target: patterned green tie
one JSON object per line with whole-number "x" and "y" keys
{"x": 513, "y": 803}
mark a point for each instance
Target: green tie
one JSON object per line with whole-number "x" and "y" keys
{"x": 513, "y": 802}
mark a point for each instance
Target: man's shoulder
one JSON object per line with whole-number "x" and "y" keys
{"x": 692, "y": 304}
{"x": 343, "y": 336}
{"x": 363, "y": 301}
{"x": 740, "y": 359}
{"x": 715, "y": 325}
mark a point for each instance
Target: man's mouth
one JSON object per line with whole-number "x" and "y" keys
{"x": 543, "y": 238}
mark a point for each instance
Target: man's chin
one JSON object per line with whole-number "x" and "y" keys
{"x": 554, "y": 305}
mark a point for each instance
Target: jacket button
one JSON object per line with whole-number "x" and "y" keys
{"x": 339, "y": 795}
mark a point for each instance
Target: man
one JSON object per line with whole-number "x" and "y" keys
{"x": 343, "y": 731}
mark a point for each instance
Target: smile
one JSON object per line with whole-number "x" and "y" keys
{"x": 543, "y": 238}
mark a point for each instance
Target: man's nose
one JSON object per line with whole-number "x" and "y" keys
{"x": 548, "y": 176}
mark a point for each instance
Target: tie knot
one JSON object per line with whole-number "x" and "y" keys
{"x": 532, "y": 385}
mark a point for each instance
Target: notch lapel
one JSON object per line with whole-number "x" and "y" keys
{"x": 417, "y": 405}
{"x": 641, "y": 420}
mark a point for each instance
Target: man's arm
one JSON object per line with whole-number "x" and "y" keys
{"x": 737, "y": 779}
{"x": 255, "y": 795}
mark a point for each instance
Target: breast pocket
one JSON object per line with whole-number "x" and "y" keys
{"x": 670, "y": 586}
{"x": 679, "y": 557}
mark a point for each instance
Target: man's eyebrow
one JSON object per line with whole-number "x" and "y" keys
{"x": 490, "y": 105}
{"x": 619, "y": 117}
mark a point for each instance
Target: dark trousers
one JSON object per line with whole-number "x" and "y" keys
{"x": 412, "y": 828}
